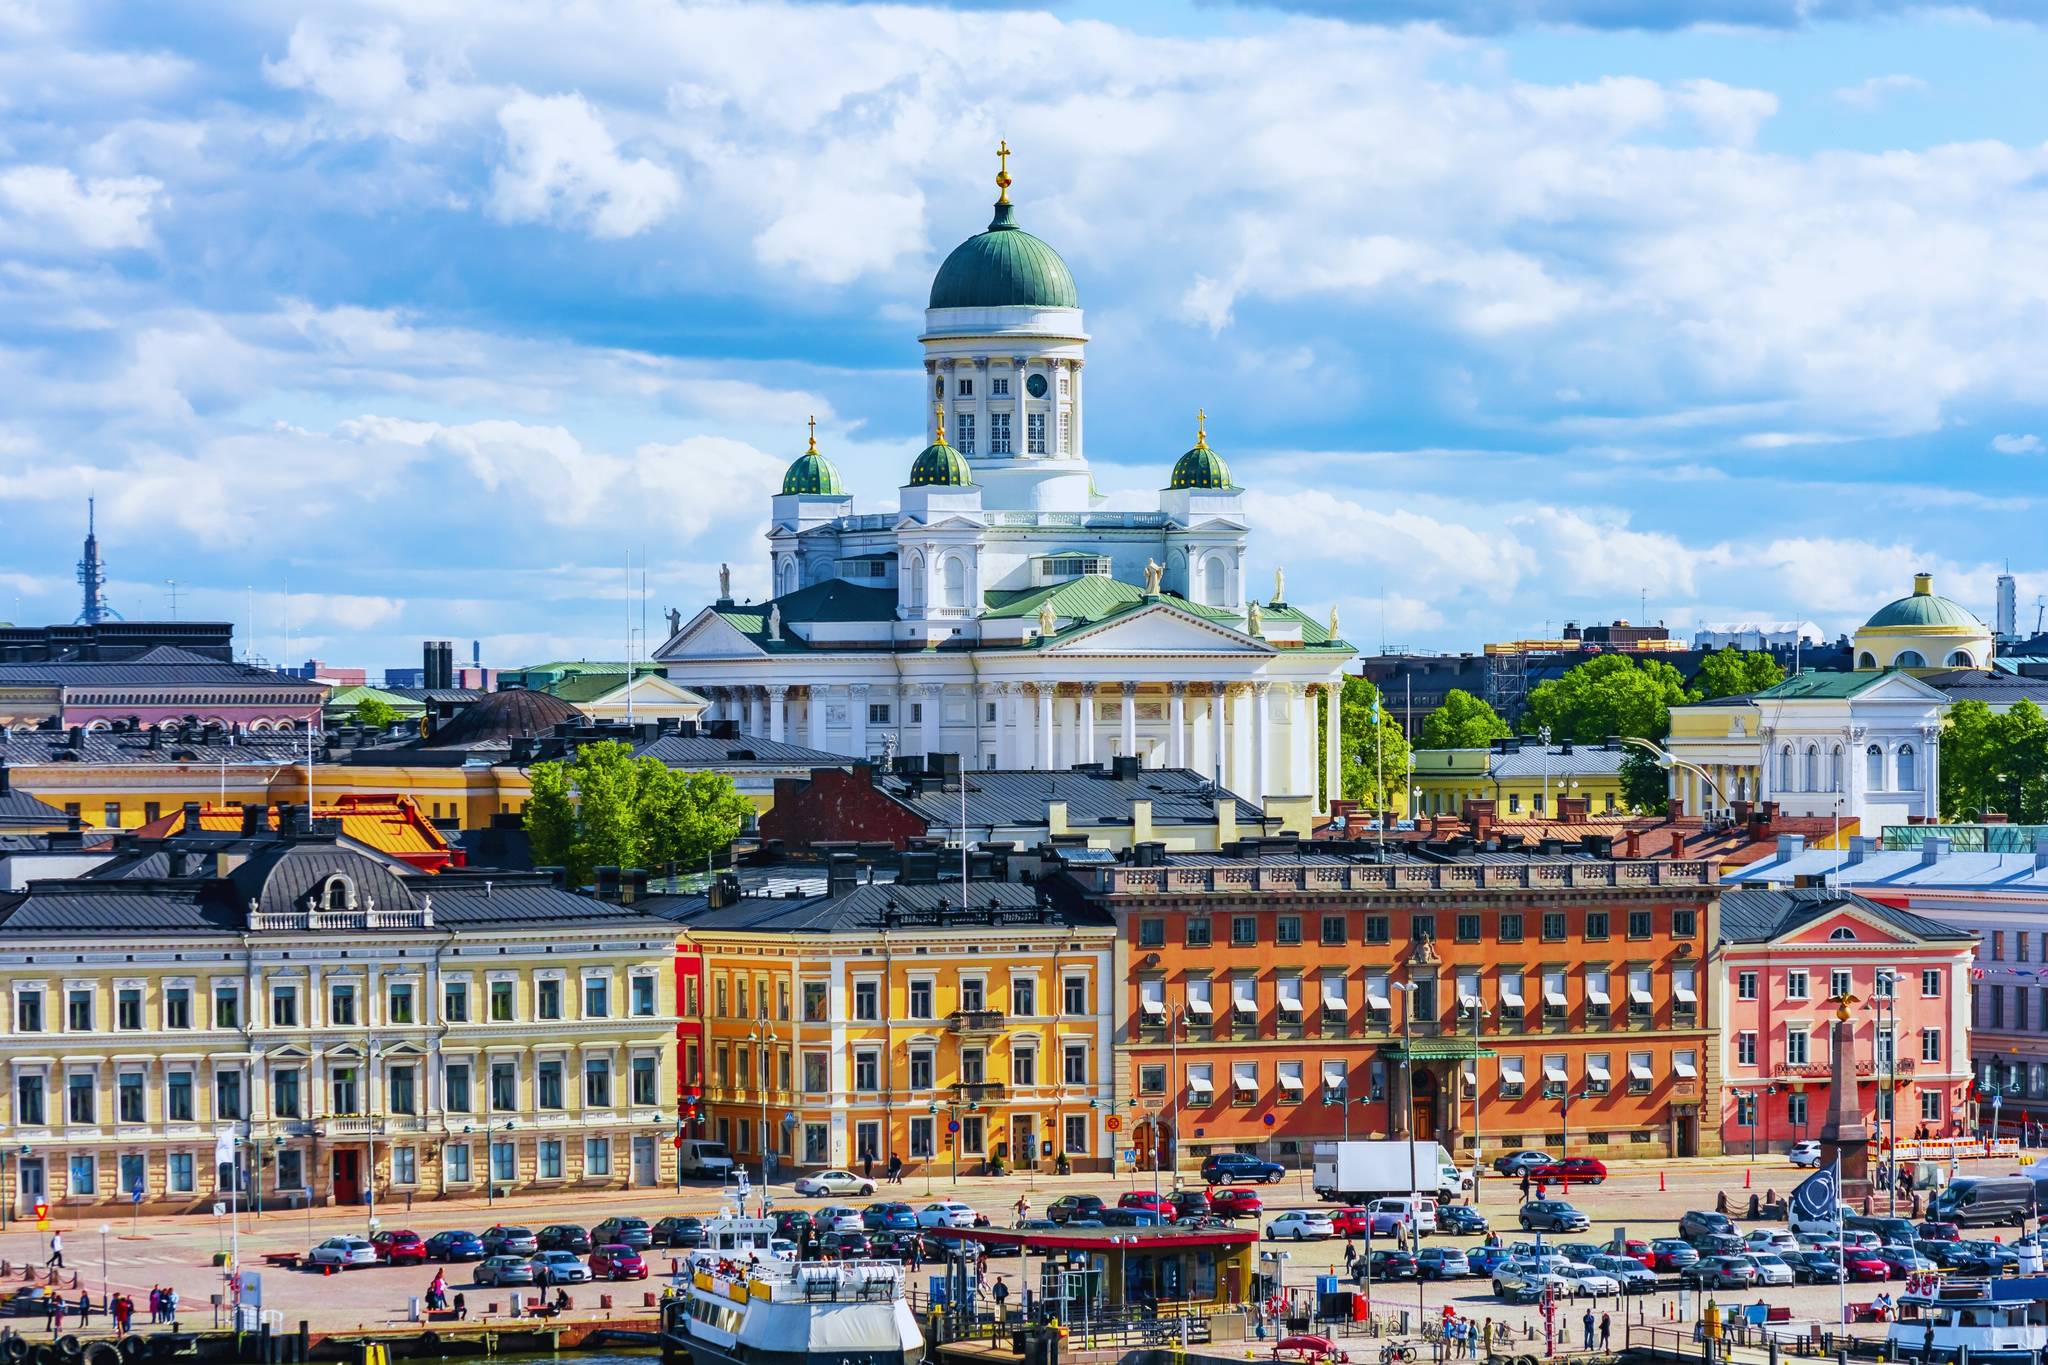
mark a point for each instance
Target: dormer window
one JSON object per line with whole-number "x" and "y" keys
{"x": 1053, "y": 568}
{"x": 337, "y": 893}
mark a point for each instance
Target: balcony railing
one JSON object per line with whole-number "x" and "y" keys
{"x": 967, "y": 1022}
{"x": 979, "y": 1092}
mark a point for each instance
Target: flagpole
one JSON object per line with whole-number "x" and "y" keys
{"x": 1841, "y": 1252}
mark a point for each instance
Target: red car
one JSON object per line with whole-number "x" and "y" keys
{"x": 1350, "y": 1222}
{"x": 615, "y": 1262}
{"x": 1146, "y": 1199}
{"x": 1638, "y": 1250}
{"x": 1236, "y": 1203}
{"x": 1573, "y": 1170}
{"x": 400, "y": 1246}
{"x": 1864, "y": 1265}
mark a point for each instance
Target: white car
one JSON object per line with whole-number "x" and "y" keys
{"x": 946, "y": 1213}
{"x": 1301, "y": 1225}
{"x": 1589, "y": 1280}
{"x": 343, "y": 1252}
{"x": 1633, "y": 1276}
{"x": 835, "y": 1218}
{"x": 1770, "y": 1269}
{"x": 833, "y": 1182}
{"x": 1771, "y": 1239}
{"x": 782, "y": 1249}
{"x": 558, "y": 1267}
{"x": 1530, "y": 1273}
{"x": 1805, "y": 1153}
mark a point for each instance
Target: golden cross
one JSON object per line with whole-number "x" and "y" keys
{"x": 1003, "y": 181}
{"x": 1201, "y": 427}
{"x": 939, "y": 416}
{"x": 814, "y": 435}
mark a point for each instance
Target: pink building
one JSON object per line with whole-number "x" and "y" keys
{"x": 1785, "y": 960}
{"x": 166, "y": 686}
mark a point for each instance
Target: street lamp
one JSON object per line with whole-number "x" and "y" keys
{"x": 1886, "y": 1069}
{"x": 1407, "y": 989}
{"x": 490, "y": 1159}
{"x": 763, "y": 1039}
{"x": 1478, "y": 1012}
{"x": 1668, "y": 760}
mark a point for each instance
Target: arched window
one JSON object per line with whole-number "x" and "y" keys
{"x": 1835, "y": 769}
{"x": 1866, "y": 660}
{"x": 1785, "y": 768}
{"x": 1842, "y": 935}
{"x": 1212, "y": 581}
{"x": 1813, "y": 767}
{"x": 1961, "y": 659}
{"x": 785, "y": 578}
{"x": 337, "y": 894}
{"x": 913, "y": 575}
{"x": 1908, "y": 776}
{"x": 1873, "y": 768}
{"x": 1909, "y": 658}
{"x": 956, "y": 581}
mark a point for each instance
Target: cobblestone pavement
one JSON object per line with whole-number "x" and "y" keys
{"x": 1644, "y": 1198}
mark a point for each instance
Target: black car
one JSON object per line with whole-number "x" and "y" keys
{"x": 1943, "y": 1254}
{"x": 1813, "y": 1267}
{"x": 1190, "y": 1204}
{"x": 1238, "y": 1168}
{"x": 1070, "y": 1206}
{"x": 896, "y": 1246}
{"x": 845, "y": 1246}
{"x": 1552, "y": 1215}
{"x": 627, "y": 1231}
{"x": 679, "y": 1230}
{"x": 1459, "y": 1218}
{"x": 1698, "y": 1223}
{"x": 795, "y": 1224}
{"x": 1719, "y": 1244}
{"x": 564, "y": 1237}
{"x": 1979, "y": 1258}
{"x": 1391, "y": 1265}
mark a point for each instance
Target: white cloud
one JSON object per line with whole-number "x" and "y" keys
{"x": 51, "y": 208}
{"x": 2016, "y": 444}
{"x": 1870, "y": 93}
{"x": 561, "y": 163}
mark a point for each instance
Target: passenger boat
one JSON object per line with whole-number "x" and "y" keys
{"x": 740, "y": 1304}
{"x": 1998, "y": 1322}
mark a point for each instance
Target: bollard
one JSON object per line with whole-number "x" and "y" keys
{"x": 1745, "y": 1177}
{"x": 1660, "y": 1182}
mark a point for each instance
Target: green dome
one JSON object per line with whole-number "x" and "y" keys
{"x": 1201, "y": 467}
{"x": 1924, "y": 609}
{"x": 812, "y": 473}
{"x": 940, "y": 466}
{"x": 1004, "y": 267}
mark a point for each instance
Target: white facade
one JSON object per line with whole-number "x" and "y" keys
{"x": 1754, "y": 635}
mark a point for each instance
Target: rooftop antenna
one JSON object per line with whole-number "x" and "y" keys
{"x": 629, "y": 637}
{"x": 174, "y": 595}
{"x": 92, "y": 575}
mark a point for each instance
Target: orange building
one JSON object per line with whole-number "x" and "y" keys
{"x": 1550, "y": 1000}
{"x": 389, "y": 824}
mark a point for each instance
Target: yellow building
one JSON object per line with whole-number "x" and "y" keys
{"x": 1522, "y": 776}
{"x": 853, "y": 1019}
{"x": 351, "y": 1026}
{"x": 1923, "y": 631}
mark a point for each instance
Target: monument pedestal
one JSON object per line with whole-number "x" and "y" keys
{"x": 1844, "y": 1136}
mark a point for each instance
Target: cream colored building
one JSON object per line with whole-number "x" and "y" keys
{"x": 349, "y": 1025}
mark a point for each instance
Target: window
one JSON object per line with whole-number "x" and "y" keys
{"x": 84, "y": 1174}
{"x": 973, "y": 993}
{"x": 1596, "y": 924}
{"x": 867, "y": 997}
{"x": 1244, "y": 931}
{"x": 1930, "y": 982}
{"x": 398, "y": 1003}
{"x": 28, "y": 1102}
{"x": 1797, "y": 1051}
{"x": 1074, "y": 995}
{"x": 1745, "y": 985}
{"x": 284, "y": 1007}
{"x": 1197, "y": 934}
{"x": 1511, "y": 927}
{"x": 1909, "y": 777}
{"x": 1034, "y": 433}
{"x": 1468, "y": 928}
{"x": 1152, "y": 1079}
{"x": 78, "y": 1010}
{"x": 457, "y": 1157}
{"x": 455, "y": 1002}
{"x": 921, "y": 999}
{"x": 1745, "y": 1048}
{"x": 921, "y": 1130}
{"x": 1074, "y": 1064}
{"x": 973, "y": 1065}
{"x": 965, "y": 388}
{"x": 501, "y": 1006}
{"x": 1422, "y": 926}
{"x": 28, "y": 1011}
{"x": 1514, "y": 803}
{"x": 867, "y": 1070}
{"x": 597, "y": 1083}
{"x": 1839, "y": 981}
{"x": 1152, "y": 933}
{"x": 341, "y": 1005}
{"x": 1379, "y": 929}
{"x": 178, "y": 1173}
{"x": 921, "y": 1068}
{"x": 597, "y": 997}
{"x": 455, "y": 1085}
{"x": 1796, "y": 987}
{"x": 178, "y": 1097}
{"x": 1930, "y": 1105}
{"x": 227, "y": 1007}
{"x": 1023, "y": 1066}
{"x": 1333, "y": 934}
{"x": 1288, "y": 931}
{"x": 128, "y": 1098}
{"x": 547, "y": 998}
{"x": 405, "y": 1166}
{"x": 284, "y": 1094}
{"x": 817, "y": 1071}
{"x": 227, "y": 1094}
{"x": 402, "y": 1091}
{"x": 814, "y": 998}
{"x": 1873, "y": 768}
{"x": 1685, "y": 923}
{"x": 1930, "y": 1045}
{"x": 878, "y": 713}
{"x": 346, "y": 1091}
{"x": 646, "y": 1082}
{"x": 643, "y": 996}
{"x": 550, "y": 1158}
{"x": 1639, "y": 925}
{"x": 999, "y": 429}
{"x": 999, "y": 387}
{"x": 1075, "y": 1126}
{"x": 963, "y": 430}
{"x": 1745, "y": 1111}
{"x": 504, "y": 1161}
{"x": 81, "y": 1099}
{"x": 1639, "y": 1076}
{"x": 1024, "y": 996}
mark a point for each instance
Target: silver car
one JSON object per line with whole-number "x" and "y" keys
{"x": 558, "y": 1267}
{"x": 497, "y": 1270}
{"x": 1633, "y": 1276}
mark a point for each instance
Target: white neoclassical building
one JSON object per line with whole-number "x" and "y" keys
{"x": 1002, "y": 612}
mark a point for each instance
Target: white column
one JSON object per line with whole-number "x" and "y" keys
{"x": 814, "y": 715}
{"x": 753, "y": 721}
{"x": 932, "y": 696}
{"x": 1930, "y": 770}
{"x": 1177, "y": 725}
{"x": 1084, "y": 751}
{"x": 1127, "y": 717}
{"x": 981, "y": 405}
{"x": 1333, "y": 742}
{"x": 1262, "y": 740}
{"x": 857, "y": 717}
{"x": 1044, "y": 734}
{"x": 1220, "y": 733}
{"x": 1079, "y": 451}
{"x": 777, "y": 692}
{"x": 1300, "y": 770}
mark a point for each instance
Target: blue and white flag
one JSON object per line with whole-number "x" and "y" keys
{"x": 1820, "y": 1194}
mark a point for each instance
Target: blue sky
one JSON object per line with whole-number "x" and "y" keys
{"x": 380, "y": 324}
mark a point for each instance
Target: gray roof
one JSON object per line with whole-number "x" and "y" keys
{"x": 435, "y": 694}
{"x": 1994, "y": 689}
{"x": 1093, "y": 793}
{"x": 163, "y": 666}
{"x": 869, "y": 907}
{"x": 1758, "y": 916}
{"x": 1589, "y": 760}
{"x": 707, "y": 751}
{"x": 20, "y": 808}
{"x": 102, "y": 747}
{"x": 1923, "y": 868}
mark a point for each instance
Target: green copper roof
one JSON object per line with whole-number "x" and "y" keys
{"x": 1004, "y": 267}
{"x": 1810, "y": 684}
{"x": 940, "y": 466}
{"x": 1201, "y": 467}
{"x": 813, "y": 473}
{"x": 1924, "y": 608}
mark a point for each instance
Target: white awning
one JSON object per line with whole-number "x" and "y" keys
{"x": 1151, "y": 1006}
{"x": 1638, "y": 994}
{"x": 1199, "y": 1084}
{"x": 1290, "y": 994}
{"x": 1471, "y": 1070}
{"x": 1152, "y": 997}
{"x": 1511, "y": 1071}
{"x": 1467, "y": 1002}
{"x": 1682, "y": 991}
{"x": 1290, "y": 1081}
{"x": 1198, "y": 995}
{"x": 1555, "y": 1073}
{"x": 1244, "y": 996}
{"x": 1639, "y": 1070}
{"x": 1553, "y": 995}
{"x": 1333, "y": 994}
{"x": 1376, "y": 993}
{"x": 1684, "y": 1065}
{"x": 1596, "y": 988}
{"x": 1596, "y": 1069}
{"x": 1333, "y": 1076}
{"x": 1244, "y": 1076}
{"x": 1511, "y": 991}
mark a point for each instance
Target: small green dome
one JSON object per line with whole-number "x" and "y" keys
{"x": 1201, "y": 467}
{"x": 1004, "y": 267}
{"x": 812, "y": 473}
{"x": 1924, "y": 608}
{"x": 940, "y": 466}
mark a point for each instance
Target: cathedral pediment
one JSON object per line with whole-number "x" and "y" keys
{"x": 1159, "y": 628}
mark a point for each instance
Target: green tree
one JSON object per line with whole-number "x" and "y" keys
{"x": 1734, "y": 672}
{"x": 1645, "y": 785}
{"x": 1375, "y": 755}
{"x": 1995, "y": 762}
{"x": 1463, "y": 722}
{"x": 607, "y": 808}
{"x": 376, "y": 713}
{"x": 1613, "y": 694}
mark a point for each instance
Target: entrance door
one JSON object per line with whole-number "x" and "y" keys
{"x": 1426, "y": 1097}
{"x": 1023, "y": 1140}
{"x": 34, "y": 1187}
{"x": 643, "y": 1161}
{"x": 1688, "y": 1135}
{"x": 348, "y": 1177}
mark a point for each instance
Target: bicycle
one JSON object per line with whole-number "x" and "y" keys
{"x": 1396, "y": 1353}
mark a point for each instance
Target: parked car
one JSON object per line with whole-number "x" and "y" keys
{"x": 1671, "y": 1254}
{"x": 1590, "y": 1281}
{"x": 1721, "y": 1244}
{"x": 1943, "y": 1254}
{"x": 678, "y": 1230}
{"x": 343, "y": 1252}
{"x": 502, "y": 1270}
{"x": 1905, "y": 1261}
{"x": 945, "y": 1213}
{"x": 1698, "y": 1223}
{"x": 893, "y": 1245}
{"x": 1230, "y": 1202}
{"x": 1484, "y": 1260}
{"x": 558, "y": 1267}
{"x": 564, "y": 1237}
{"x": 1582, "y": 1252}
{"x": 1631, "y": 1274}
{"x": 400, "y": 1246}
{"x": 846, "y": 1246}
{"x": 507, "y": 1240}
{"x": 782, "y": 1249}
{"x": 1350, "y": 1222}
{"x": 1300, "y": 1225}
{"x": 1232, "y": 1168}
{"x": 1771, "y": 1268}
{"x": 1460, "y": 1218}
{"x": 1520, "y": 1281}
{"x": 1514, "y": 1164}
{"x": 1981, "y": 1258}
{"x": 792, "y": 1223}
{"x": 623, "y": 1231}
{"x": 1720, "y": 1272}
{"x": 835, "y": 1218}
{"x": 1814, "y": 1267}
{"x": 1552, "y": 1215}
{"x": 617, "y": 1261}
{"x": 455, "y": 1245}
{"x": 1391, "y": 1265}
{"x": 1129, "y": 1218}
{"x": 1147, "y": 1200}
{"x": 826, "y": 1183}
{"x": 1573, "y": 1170}
{"x": 1442, "y": 1263}
{"x": 1071, "y": 1206}
{"x": 1771, "y": 1239}
{"x": 1805, "y": 1153}
{"x": 1863, "y": 1264}
{"x": 1637, "y": 1248}
{"x": 1934, "y": 1230}
{"x": 1190, "y": 1203}
{"x": 889, "y": 1214}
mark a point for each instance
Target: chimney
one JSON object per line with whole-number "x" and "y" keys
{"x": 632, "y": 885}
{"x": 1675, "y": 808}
{"x": 1933, "y": 851}
{"x": 1479, "y": 816}
{"x": 608, "y": 884}
{"x": 1860, "y": 847}
{"x": 1635, "y": 844}
{"x": 1791, "y": 845}
{"x": 1741, "y": 811}
{"x": 1573, "y": 810}
{"x": 181, "y": 864}
{"x": 190, "y": 824}
{"x": 255, "y": 818}
{"x": 1124, "y": 767}
{"x": 6, "y": 782}
{"x": 1678, "y": 843}
{"x": 1992, "y": 817}
{"x": 76, "y": 737}
{"x": 842, "y": 874}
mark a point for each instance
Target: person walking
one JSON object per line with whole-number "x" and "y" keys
{"x": 1350, "y": 1258}
{"x": 84, "y": 1307}
{"x": 1606, "y": 1330}
{"x": 895, "y": 1169}
{"x": 56, "y": 1251}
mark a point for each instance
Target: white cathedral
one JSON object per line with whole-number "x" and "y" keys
{"x": 1000, "y": 613}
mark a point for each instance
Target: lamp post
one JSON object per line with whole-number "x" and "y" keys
{"x": 1668, "y": 760}
{"x": 1478, "y": 1012}
{"x": 105, "y": 1300}
{"x": 1886, "y": 1070}
{"x": 1407, "y": 989}
{"x": 763, "y": 1039}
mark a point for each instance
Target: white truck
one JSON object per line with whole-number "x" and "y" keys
{"x": 1354, "y": 1172}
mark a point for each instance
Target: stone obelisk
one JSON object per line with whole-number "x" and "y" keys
{"x": 1844, "y": 1137}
